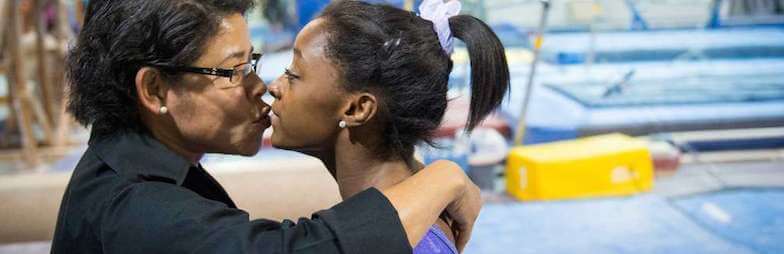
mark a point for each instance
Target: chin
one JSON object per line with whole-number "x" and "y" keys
{"x": 248, "y": 153}
{"x": 277, "y": 142}
{"x": 287, "y": 147}
{"x": 280, "y": 146}
{"x": 250, "y": 149}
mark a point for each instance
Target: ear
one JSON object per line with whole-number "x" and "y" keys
{"x": 361, "y": 109}
{"x": 150, "y": 89}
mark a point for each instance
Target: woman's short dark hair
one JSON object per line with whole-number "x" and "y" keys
{"x": 412, "y": 76}
{"x": 119, "y": 37}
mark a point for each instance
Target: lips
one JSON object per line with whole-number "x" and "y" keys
{"x": 263, "y": 118}
{"x": 264, "y": 122}
{"x": 274, "y": 113}
{"x": 274, "y": 118}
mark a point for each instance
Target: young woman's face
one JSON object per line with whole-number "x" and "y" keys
{"x": 213, "y": 114}
{"x": 308, "y": 97}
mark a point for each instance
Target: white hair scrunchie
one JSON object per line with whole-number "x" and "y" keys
{"x": 439, "y": 12}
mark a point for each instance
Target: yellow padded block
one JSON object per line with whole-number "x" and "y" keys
{"x": 599, "y": 166}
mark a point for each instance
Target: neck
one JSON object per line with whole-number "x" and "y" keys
{"x": 356, "y": 167}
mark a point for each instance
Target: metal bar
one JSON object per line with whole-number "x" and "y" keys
{"x": 18, "y": 86}
{"x": 63, "y": 30}
{"x": 62, "y": 121}
{"x": 638, "y": 22}
{"x": 44, "y": 83}
{"x": 715, "y": 14}
{"x": 521, "y": 124}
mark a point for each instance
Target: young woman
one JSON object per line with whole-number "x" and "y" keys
{"x": 368, "y": 82}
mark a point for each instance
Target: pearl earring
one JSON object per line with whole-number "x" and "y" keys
{"x": 163, "y": 110}
{"x": 342, "y": 124}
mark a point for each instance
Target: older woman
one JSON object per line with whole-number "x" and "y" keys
{"x": 161, "y": 83}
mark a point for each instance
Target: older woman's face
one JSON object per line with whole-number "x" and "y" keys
{"x": 212, "y": 115}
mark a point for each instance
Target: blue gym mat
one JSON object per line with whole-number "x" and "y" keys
{"x": 697, "y": 90}
{"x": 640, "y": 224}
{"x": 664, "y": 45}
{"x": 752, "y": 218}
{"x": 568, "y": 102}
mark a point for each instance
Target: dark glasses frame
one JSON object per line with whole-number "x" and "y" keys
{"x": 226, "y": 73}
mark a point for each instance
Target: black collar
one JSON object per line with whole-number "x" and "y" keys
{"x": 136, "y": 154}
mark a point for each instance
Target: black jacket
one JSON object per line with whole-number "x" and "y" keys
{"x": 130, "y": 194}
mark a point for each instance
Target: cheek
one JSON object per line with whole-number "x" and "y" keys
{"x": 215, "y": 123}
{"x": 307, "y": 120}
{"x": 196, "y": 120}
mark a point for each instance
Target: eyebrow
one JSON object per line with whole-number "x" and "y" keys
{"x": 237, "y": 54}
{"x": 297, "y": 54}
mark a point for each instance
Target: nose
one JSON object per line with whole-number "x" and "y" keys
{"x": 274, "y": 88}
{"x": 258, "y": 88}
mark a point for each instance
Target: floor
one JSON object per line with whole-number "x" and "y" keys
{"x": 705, "y": 207}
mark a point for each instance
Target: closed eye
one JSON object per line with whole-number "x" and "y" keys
{"x": 290, "y": 75}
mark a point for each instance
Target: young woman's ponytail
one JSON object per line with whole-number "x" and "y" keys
{"x": 489, "y": 69}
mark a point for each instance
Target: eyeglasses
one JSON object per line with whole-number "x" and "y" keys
{"x": 236, "y": 75}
